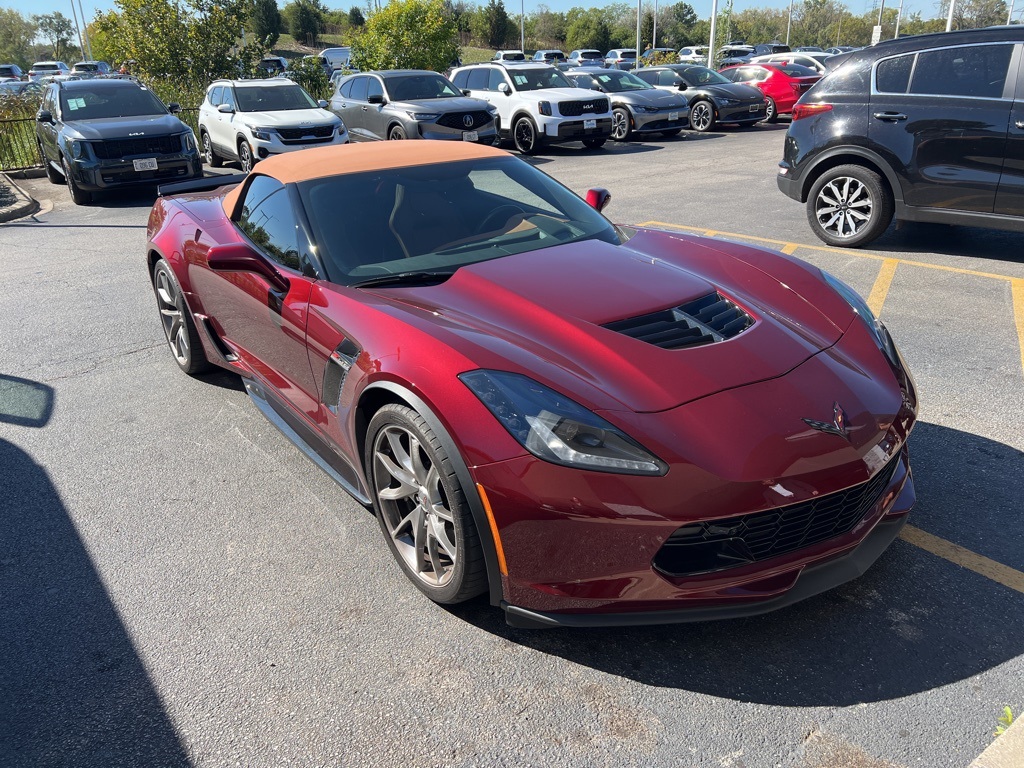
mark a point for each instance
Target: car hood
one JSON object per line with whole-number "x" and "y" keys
{"x": 541, "y": 314}
{"x": 124, "y": 127}
{"x": 651, "y": 98}
{"x": 561, "y": 94}
{"x": 289, "y": 118}
{"x": 730, "y": 91}
{"x": 453, "y": 104}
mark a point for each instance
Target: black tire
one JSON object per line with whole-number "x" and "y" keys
{"x": 524, "y": 136}
{"x": 838, "y": 200}
{"x": 444, "y": 579}
{"x": 245, "y": 156}
{"x": 52, "y": 174}
{"x": 622, "y": 124}
{"x": 670, "y": 134}
{"x": 210, "y": 157}
{"x": 78, "y": 195}
{"x": 396, "y": 133}
{"x": 594, "y": 143}
{"x": 176, "y": 318}
{"x": 771, "y": 111}
{"x": 702, "y": 116}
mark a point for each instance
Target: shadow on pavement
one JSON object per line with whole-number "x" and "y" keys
{"x": 912, "y": 623}
{"x": 74, "y": 691}
{"x": 923, "y": 237}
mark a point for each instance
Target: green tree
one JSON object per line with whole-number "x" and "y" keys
{"x": 355, "y": 16}
{"x": 408, "y": 34}
{"x": 310, "y": 75}
{"x": 16, "y": 36}
{"x": 676, "y": 26}
{"x": 492, "y": 25}
{"x": 305, "y": 20}
{"x": 973, "y": 14}
{"x": 588, "y": 29}
{"x": 549, "y": 27}
{"x": 58, "y": 31}
{"x": 266, "y": 22}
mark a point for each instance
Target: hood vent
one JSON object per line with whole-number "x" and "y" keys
{"x": 705, "y": 320}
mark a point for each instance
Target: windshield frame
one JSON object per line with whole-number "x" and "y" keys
{"x": 538, "y": 72}
{"x": 69, "y": 113}
{"x": 292, "y": 86}
{"x": 393, "y": 79}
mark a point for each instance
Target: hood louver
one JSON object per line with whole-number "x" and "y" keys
{"x": 706, "y": 320}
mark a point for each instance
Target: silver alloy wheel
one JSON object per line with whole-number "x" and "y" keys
{"x": 769, "y": 110}
{"x": 171, "y": 317}
{"x": 415, "y": 505}
{"x": 207, "y": 149}
{"x": 245, "y": 156}
{"x": 701, "y": 116}
{"x": 844, "y": 206}
{"x": 396, "y": 134}
{"x": 620, "y": 124}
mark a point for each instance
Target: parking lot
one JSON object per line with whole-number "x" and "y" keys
{"x": 182, "y": 587}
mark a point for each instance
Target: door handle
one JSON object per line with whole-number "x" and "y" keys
{"x": 889, "y": 117}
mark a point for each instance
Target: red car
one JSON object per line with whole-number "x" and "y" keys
{"x": 781, "y": 83}
{"x": 593, "y": 424}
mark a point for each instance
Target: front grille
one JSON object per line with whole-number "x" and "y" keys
{"x": 456, "y": 121}
{"x": 720, "y": 544}
{"x": 577, "y": 108}
{"x": 705, "y": 320}
{"x": 116, "y": 149}
{"x": 311, "y": 132}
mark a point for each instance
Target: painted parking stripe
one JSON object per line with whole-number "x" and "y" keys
{"x": 881, "y": 287}
{"x": 965, "y": 558}
{"x": 1017, "y": 288}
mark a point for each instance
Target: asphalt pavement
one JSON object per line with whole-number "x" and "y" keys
{"x": 179, "y": 586}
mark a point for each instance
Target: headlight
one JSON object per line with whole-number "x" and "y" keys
{"x": 261, "y": 134}
{"x": 875, "y": 326}
{"x": 340, "y": 127}
{"x": 76, "y": 147}
{"x": 544, "y": 108}
{"x": 424, "y": 115}
{"x": 492, "y": 111}
{"x": 188, "y": 141}
{"x": 729, "y": 102}
{"x": 554, "y": 428}
{"x": 643, "y": 110}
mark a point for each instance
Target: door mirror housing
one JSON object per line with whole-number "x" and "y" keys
{"x": 44, "y": 116}
{"x": 239, "y": 257}
{"x": 598, "y": 198}
{"x": 375, "y": 98}
{"x": 174, "y": 107}
{"x": 505, "y": 88}
{"x": 322, "y": 103}
{"x": 226, "y": 109}
{"x": 466, "y": 92}
{"x": 681, "y": 86}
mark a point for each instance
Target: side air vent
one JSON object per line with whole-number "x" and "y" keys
{"x": 338, "y": 365}
{"x": 705, "y": 320}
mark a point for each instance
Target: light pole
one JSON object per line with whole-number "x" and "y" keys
{"x": 899, "y": 17}
{"x": 638, "y": 12}
{"x": 842, "y": 12}
{"x": 654, "y": 43}
{"x": 789, "y": 23}
{"x": 880, "y": 9}
{"x": 1009, "y": 16}
{"x": 711, "y": 42}
{"x": 85, "y": 29}
{"x": 78, "y": 29}
{"x": 522, "y": 26}
{"x": 949, "y": 19}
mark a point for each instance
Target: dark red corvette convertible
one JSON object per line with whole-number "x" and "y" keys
{"x": 596, "y": 425}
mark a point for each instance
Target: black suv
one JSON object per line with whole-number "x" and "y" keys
{"x": 99, "y": 134}
{"x": 926, "y": 128}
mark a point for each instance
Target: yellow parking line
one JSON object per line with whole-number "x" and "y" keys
{"x": 828, "y": 249}
{"x": 972, "y": 561}
{"x": 789, "y": 248}
{"x": 1017, "y": 287}
{"x": 881, "y": 287}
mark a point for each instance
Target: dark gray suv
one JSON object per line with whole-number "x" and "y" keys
{"x": 926, "y": 128}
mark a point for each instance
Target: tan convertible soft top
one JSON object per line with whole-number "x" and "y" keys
{"x": 317, "y": 162}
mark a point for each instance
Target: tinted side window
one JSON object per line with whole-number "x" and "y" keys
{"x": 893, "y": 75}
{"x": 461, "y": 79}
{"x": 478, "y": 79}
{"x": 969, "y": 71}
{"x": 228, "y": 97}
{"x": 851, "y": 78}
{"x": 346, "y": 89}
{"x": 359, "y": 89}
{"x": 373, "y": 87}
{"x": 667, "y": 77}
{"x": 494, "y": 80}
{"x": 647, "y": 77}
{"x": 268, "y": 220}
{"x": 213, "y": 96}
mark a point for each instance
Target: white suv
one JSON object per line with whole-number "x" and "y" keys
{"x": 537, "y": 104}
{"x": 250, "y": 120}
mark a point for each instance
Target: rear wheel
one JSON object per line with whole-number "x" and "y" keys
{"x": 179, "y": 327}
{"x": 210, "y": 157}
{"x": 78, "y": 195}
{"x": 524, "y": 136}
{"x": 421, "y": 507}
{"x": 621, "y": 128}
{"x": 771, "y": 111}
{"x": 849, "y": 206}
{"x": 702, "y": 116}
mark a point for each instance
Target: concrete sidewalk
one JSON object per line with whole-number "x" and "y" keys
{"x": 1007, "y": 751}
{"x": 14, "y": 203}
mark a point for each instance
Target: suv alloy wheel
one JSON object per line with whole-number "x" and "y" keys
{"x": 849, "y": 205}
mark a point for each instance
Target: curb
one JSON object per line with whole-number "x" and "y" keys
{"x": 1007, "y": 751}
{"x": 23, "y": 207}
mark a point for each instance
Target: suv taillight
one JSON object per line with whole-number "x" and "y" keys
{"x": 800, "y": 111}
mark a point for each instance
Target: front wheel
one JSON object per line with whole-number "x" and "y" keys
{"x": 421, "y": 507}
{"x": 210, "y": 157}
{"x": 78, "y": 195}
{"x": 621, "y": 127}
{"x": 245, "y": 156}
{"x": 702, "y": 116}
{"x": 771, "y": 111}
{"x": 397, "y": 133}
{"x": 524, "y": 136}
{"x": 849, "y": 206}
{"x": 594, "y": 143}
{"x": 179, "y": 327}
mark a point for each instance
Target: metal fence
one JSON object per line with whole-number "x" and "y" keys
{"x": 18, "y": 148}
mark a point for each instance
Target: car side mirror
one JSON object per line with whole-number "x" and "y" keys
{"x": 322, "y": 103}
{"x": 44, "y": 116}
{"x": 681, "y": 86}
{"x": 466, "y": 92}
{"x": 375, "y": 98}
{"x": 239, "y": 257}
{"x": 598, "y": 198}
{"x": 226, "y": 109}
{"x": 174, "y": 107}
{"x": 505, "y": 88}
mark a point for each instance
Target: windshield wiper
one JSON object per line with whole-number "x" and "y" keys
{"x": 403, "y": 278}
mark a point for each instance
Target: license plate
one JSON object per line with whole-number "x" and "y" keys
{"x": 470, "y": 136}
{"x": 755, "y": 107}
{"x": 589, "y": 124}
{"x": 145, "y": 164}
{"x": 673, "y": 116}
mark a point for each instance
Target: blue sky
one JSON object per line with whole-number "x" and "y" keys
{"x": 703, "y": 7}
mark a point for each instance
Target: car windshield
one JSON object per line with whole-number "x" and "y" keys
{"x": 273, "y": 98}
{"x": 617, "y": 81}
{"x": 538, "y": 78}
{"x": 415, "y": 87}
{"x": 437, "y": 218}
{"x": 13, "y": 87}
{"x": 695, "y": 76}
{"x": 46, "y": 67}
{"x": 86, "y": 104}
{"x": 86, "y": 68}
{"x": 627, "y": 54}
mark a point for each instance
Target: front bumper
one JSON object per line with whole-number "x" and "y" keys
{"x": 275, "y": 145}
{"x": 658, "y": 121}
{"x": 741, "y": 114}
{"x": 573, "y": 130}
{"x": 486, "y": 134}
{"x": 98, "y": 175}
